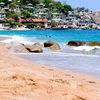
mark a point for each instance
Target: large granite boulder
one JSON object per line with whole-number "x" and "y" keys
{"x": 52, "y": 45}
{"x": 35, "y": 48}
{"x": 75, "y": 43}
{"x": 93, "y": 43}
{"x": 16, "y": 47}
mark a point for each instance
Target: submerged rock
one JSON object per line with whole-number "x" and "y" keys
{"x": 52, "y": 45}
{"x": 75, "y": 43}
{"x": 35, "y": 48}
{"x": 17, "y": 47}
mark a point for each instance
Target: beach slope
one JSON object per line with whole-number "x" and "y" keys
{"x": 23, "y": 80}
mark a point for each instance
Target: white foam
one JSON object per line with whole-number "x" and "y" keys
{"x": 5, "y": 36}
{"x": 20, "y": 39}
{"x": 86, "y": 48}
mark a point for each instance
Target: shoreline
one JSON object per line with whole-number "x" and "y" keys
{"x": 54, "y": 68}
{"x": 22, "y": 79}
{"x": 26, "y": 29}
{"x": 70, "y": 64}
{"x": 67, "y": 56}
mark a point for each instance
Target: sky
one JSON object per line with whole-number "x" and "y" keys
{"x": 91, "y": 4}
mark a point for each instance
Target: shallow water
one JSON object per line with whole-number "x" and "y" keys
{"x": 89, "y": 64}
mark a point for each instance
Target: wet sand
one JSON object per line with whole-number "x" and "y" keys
{"x": 2, "y": 38}
{"x": 23, "y": 80}
{"x": 69, "y": 60}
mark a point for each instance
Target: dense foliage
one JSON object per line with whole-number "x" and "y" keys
{"x": 27, "y": 13}
{"x": 47, "y": 3}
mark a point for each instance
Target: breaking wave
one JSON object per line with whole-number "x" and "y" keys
{"x": 20, "y": 39}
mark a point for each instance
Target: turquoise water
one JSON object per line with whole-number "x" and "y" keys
{"x": 61, "y": 36}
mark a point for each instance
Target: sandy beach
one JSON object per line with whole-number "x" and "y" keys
{"x": 22, "y": 80}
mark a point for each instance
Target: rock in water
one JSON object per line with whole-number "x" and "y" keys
{"x": 75, "y": 43}
{"x": 55, "y": 47}
{"x": 93, "y": 43}
{"x": 17, "y": 47}
{"x": 52, "y": 45}
{"x": 48, "y": 43}
{"x": 35, "y": 48}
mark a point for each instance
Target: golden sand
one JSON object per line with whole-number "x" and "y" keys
{"x": 23, "y": 80}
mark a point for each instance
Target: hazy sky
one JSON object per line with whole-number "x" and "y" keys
{"x": 91, "y": 4}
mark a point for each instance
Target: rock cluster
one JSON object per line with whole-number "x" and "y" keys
{"x": 53, "y": 46}
{"x": 95, "y": 46}
{"x": 34, "y": 48}
{"x": 82, "y": 43}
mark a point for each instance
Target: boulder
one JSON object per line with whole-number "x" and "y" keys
{"x": 52, "y": 45}
{"x": 48, "y": 43}
{"x": 17, "y": 47}
{"x": 38, "y": 44}
{"x": 35, "y": 48}
{"x": 75, "y": 43}
{"x": 93, "y": 43}
{"x": 55, "y": 47}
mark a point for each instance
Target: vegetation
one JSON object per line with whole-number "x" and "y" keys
{"x": 58, "y": 5}
{"x": 26, "y": 14}
{"x": 14, "y": 24}
{"x": 25, "y": 9}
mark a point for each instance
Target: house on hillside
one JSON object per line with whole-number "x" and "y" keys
{"x": 44, "y": 22}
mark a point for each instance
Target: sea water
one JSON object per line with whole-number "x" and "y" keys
{"x": 60, "y": 36}
{"x": 66, "y": 58}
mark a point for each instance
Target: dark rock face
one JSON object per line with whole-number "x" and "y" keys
{"x": 48, "y": 43}
{"x": 52, "y": 45}
{"x": 75, "y": 43}
{"x": 35, "y": 48}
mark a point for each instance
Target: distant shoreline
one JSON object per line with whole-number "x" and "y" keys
{"x": 23, "y": 29}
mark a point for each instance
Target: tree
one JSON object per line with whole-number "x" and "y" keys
{"x": 11, "y": 14}
{"x": 23, "y": 2}
{"x": 34, "y": 2}
{"x": 1, "y": 0}
{"x": 67, "y": 8}
{"x": 26, "y": 14}
{"x": 47, "y": 2}
{"x": 5, "y": 1}
{"x": 14, "y": 24}
{"x": 12, "y": 6}
{"x": 58, "y": 5}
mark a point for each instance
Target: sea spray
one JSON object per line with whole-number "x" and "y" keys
{"x": 20, "y": 39}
